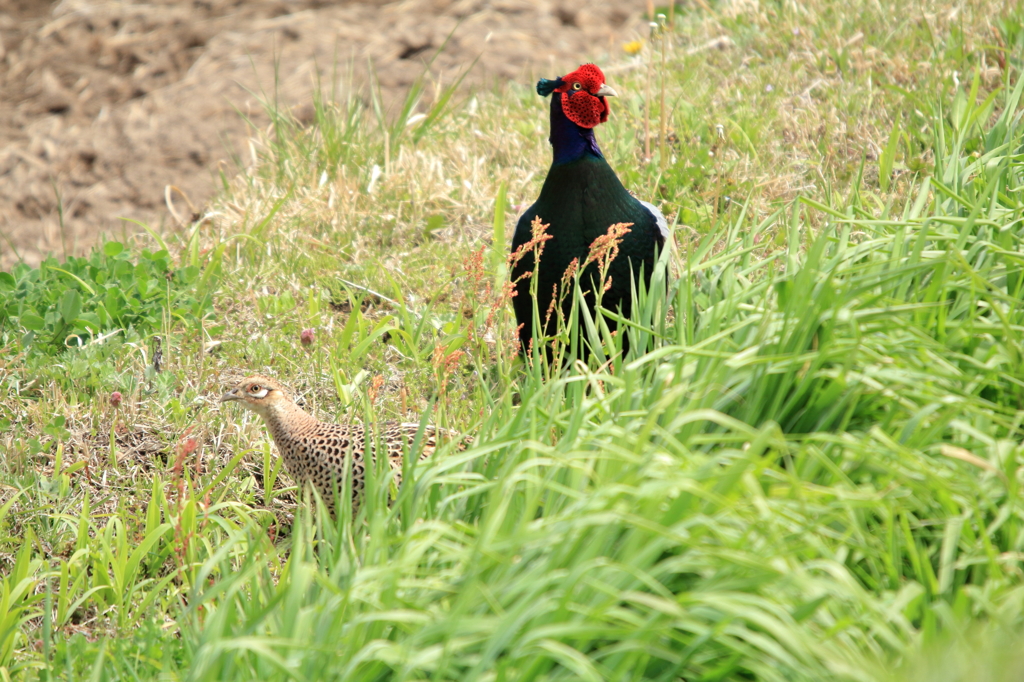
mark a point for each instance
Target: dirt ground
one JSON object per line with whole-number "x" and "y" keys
{"x": 103, "y": 105}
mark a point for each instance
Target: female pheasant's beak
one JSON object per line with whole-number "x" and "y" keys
{"x": 230, "y": 395}
{"x": 606, "y": 91}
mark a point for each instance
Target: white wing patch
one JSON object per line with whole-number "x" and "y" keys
{"x": 658, "y": 217}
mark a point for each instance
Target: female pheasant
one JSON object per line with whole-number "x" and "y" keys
{"x": 314, "y": 451}
{"x": 581, "y": 198}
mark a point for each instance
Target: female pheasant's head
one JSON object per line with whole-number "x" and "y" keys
{"x": 582, "y": 93}
{"x": 258, "y": 393}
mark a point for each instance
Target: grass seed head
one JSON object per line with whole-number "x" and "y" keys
{"x": 605, "y": 248}
{"x": 570, "y": 271}
{"x": 375, "y": 386}
{"x": 538, "y": 235}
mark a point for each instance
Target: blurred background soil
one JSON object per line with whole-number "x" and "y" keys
{"x": 103, "y": 105}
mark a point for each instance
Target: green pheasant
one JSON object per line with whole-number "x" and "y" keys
{"x": 581, "y": 198}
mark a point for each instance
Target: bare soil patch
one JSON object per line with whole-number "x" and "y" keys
{"x": 103, "y": 105}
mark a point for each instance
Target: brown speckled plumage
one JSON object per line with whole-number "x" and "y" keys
{"x": 315, "y": 451}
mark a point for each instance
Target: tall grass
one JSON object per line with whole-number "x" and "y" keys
{"x": 815, "y": 471}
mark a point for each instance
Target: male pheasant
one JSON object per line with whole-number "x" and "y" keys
{"x": 314, "y": 451}
{"x": 581, "y": 198}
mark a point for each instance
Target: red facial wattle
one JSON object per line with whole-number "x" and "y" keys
{"x": 580, "y": 101}
{"x": 584, "y": 109}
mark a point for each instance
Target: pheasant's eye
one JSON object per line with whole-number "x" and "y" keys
{"x": 576, "y": 86}
{"x": 255, "y": 388}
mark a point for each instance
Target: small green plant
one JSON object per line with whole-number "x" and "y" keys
{"x": 18, "y": 600}
{"x": 59, "y": 305}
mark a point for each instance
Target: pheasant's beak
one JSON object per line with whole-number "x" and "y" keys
{"x": 606, "y": 91}
{"x": 230, "y": 395}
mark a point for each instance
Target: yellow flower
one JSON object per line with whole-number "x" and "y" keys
{"x": 633, "y": 46}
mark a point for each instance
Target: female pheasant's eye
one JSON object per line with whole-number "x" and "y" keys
{"x": 576, "y": 86}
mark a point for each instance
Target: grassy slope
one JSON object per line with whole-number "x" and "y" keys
{"x": 815, "y": 476}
